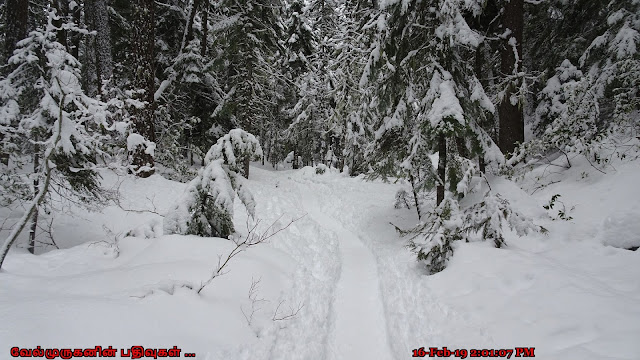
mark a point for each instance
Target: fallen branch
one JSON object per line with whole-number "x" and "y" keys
{"x": 289, "y": 315}
{"x": 242, "y": 244}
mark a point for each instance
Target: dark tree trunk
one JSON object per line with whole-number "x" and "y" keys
{"x": 104, "y": 60}
{"x": 143, "y": 41}
{"x": 205, "y": 28}
{"x": 189, "y": 34}
{"x": 91, "y": 72}
{"x": 16, "y": 20}
{"x": 478, "y": 67}
{"x": 246, "y": 167}
{"x": 442, "y": 168}
{"x": 294, "y": 164}
{"x": 62, "y": 11}
{"x": 98, "y": 59}
{"x": 75, "y": 38}
{"x": 461, "y": 146}
{"x": 511, "y": 117}
{"x": 416, "y": 200}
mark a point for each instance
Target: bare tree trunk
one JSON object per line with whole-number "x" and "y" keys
{"x": 442, "y": 168}
{"x": 461, "y": 146}
{"x": 62, "y": 11}
{"x": 16, "y": 21}
{"x": 195, "y": 4}
{"x": 415, "y": 195}
{"x": 104, "y": 60}
{"x": 36, "y": 183}
{"x": 205, "y": 28}
{"x": 511, "y": 117}
{"x": 32, "y": 209}
{"x": 40, "y": 195}
{"x": 75, "y": 37}
{"x": 91, "y": 72}
{"x": 246, "y": 167}
{"x": 143, "y": 42}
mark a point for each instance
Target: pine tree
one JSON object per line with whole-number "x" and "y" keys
{"x": 47, "y": 116}
{"x": 236, "y": 149}
{"x": 585, "y": 105}
{"x": 206, "y": 208}
{"x": 251, "y": 45}
{"x": 430, "y": 100}
{"x": 16, "y": 15}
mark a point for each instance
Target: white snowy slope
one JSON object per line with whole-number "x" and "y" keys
{"x": 354, "y": 290}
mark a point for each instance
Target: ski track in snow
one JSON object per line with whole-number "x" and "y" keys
{"x": 362, "y": 294}
{"x": 359, "y": 328}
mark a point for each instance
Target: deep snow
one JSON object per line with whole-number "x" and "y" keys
{"x": 355, "y": 290}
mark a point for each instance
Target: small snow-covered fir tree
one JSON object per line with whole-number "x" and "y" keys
{"x": 566, "y": 119}
{"x": 488, "y": 217}
{"x": 432, "y": 240}
{"x": 236, "y": 149}
{"x": 206, "y": 207}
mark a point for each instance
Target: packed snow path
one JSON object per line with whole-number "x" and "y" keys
{"x": 359, "y": 329}
{"x": 361, "y": 294}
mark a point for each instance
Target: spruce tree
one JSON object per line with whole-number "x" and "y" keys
{"x": 50, "y": 123}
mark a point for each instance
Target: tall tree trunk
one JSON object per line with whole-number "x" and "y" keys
{"x": 104, "y": 60}
{"x": 205, "y": 28}
{"x": 36, "y": 184}
{"x": 511, "y": 117}
{"x": 143, "y": 41}
{"x": 75, "y": 37}
{"x": 478, "y": 68}
{"x": 91, "y": 73}
{"x": 442, "y": 167}
{"x": 62, "y": 11}
{"x": 188, "y": 36}
{"x": 16, "y": 21}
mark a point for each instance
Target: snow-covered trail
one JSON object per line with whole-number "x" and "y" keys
{"x": 359, "y": 329}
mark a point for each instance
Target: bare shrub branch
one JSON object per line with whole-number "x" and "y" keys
{"x": 291, "y": 312}
{"x": 243, "y": 243}
{"x": 255, "y": 301}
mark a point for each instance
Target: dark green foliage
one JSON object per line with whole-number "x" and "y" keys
{"x": 432, "y": 240}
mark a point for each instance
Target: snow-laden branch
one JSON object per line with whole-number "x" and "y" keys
{"x": 43, "y": 190}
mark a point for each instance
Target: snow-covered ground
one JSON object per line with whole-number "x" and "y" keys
{"x": 339, "y": 283}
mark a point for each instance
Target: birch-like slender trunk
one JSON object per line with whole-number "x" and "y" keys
{"x": 40, "y": 195}
{"x": 442, "y": 167}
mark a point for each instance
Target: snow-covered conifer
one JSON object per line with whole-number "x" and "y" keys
{"x": 236, "y": 149}
{"x": 206, "y": 207}
{"x": 48, "y": 121}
